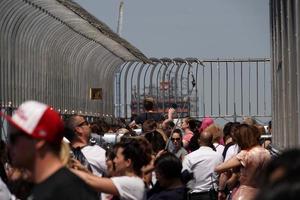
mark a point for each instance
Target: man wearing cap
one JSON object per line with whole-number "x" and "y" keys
{"x": 91, "y": 156}
{"x": 35, "y": 139}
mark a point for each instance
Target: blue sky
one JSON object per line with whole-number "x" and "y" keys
{"x": 190, "y": 28}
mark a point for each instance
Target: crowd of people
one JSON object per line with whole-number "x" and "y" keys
{"x": 46, "y": 158}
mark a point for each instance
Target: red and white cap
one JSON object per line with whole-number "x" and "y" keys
{"x": 39, "y": 121}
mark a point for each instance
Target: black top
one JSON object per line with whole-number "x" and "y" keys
{"x": 62, "y": 185}
{"x": 140, "y": 119}
{"x": 171, "y": 194}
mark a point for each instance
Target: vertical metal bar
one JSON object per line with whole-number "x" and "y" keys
{"x": 249, "y": 87}
{"x": 158, "y": 97}
{"x": 135, "y": 92}
{"x": 181, "y": 88}
{"x": 226, "y": 87}
{"x": 242, "y": 96}
{"x": 203, "y": 87}
{"x": 257, "y": 88}
{"x": 264, "y": 87}
{"x": 211, "y": 90}
{"x": 297, "y": 39}
{"x": 171, "y": 93}
{"x": 125, "y": 88}
{"x": 154, "y": 66}
{"x": 234, "y": 100}
{"x": 119, "y": 86}
{"x": 138, "y": 84}
{"x": 148, "y": 67}
{"x": 163, "y": 89}
{"x": 189, "y": 93}
{"x": 219, "y": 87}
{"x": 176, "y": 81}
{"x": 197, "y": 102}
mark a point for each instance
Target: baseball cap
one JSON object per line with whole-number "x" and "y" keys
{"x": 39, "y": 121}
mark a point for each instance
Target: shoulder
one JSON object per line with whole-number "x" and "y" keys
{"x": 129, "y": 187}
{"x": 93, "y": 149}
{"x": 63, "y": 184}
{"x": 128, "y": 179}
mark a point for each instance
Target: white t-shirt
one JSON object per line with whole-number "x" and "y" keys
{"x": 95, "y": 155}
{"x": 219, "y": 148}
{"x": 232, "y": 151}
{"x": 130, "y": 188}
{"x": 202, "y": 163}
{"x": 4, "y": 192}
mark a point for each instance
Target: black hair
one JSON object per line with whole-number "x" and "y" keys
{"x": 168, "y": 165}
{"x": 177, "y": 130}
{"x": 227, "y": 129}
{"x": 148, "y": 104}
{"x": 156, "y": 140}
{"x": 138, "y": 150}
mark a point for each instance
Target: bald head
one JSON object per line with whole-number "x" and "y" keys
{"x": 206, "y": 139}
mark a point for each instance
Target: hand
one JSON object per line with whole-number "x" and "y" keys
{"x": 171, "y": 111}
{"x": 221, "y": 195}
{"x": 75, "y": 164}
{"x": 161, "y": 152}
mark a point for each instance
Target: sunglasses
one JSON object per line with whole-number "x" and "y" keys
{"x": 84, "y": 123}
{"x": 177, "y": 139}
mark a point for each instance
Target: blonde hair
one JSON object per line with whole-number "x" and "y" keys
{"x": 216, "y": 131}
{"x": 64, "y": 153}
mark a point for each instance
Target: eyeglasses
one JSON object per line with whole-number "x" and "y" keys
{"x": 84, "y": 123}
{"x": 177, "y": 139}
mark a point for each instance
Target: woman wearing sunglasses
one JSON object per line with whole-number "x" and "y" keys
{"x": 176, "y": 140}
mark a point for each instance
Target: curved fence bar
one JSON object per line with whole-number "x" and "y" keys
{"x": 55, "y": 52}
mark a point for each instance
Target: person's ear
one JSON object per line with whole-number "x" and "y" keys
{"x": 128, "y": 162}
{"x": 77, "y": 130}
{"x": 39, "y": 144}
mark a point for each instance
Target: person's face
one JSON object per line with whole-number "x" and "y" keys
{"x": 120, "y": 162}
{"x": 83, "y": 127}
{"x": 184, "y": 124}
{"x": 176, "y": 140}
{"x": 21, "y": 149}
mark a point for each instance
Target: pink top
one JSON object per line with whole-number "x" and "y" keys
{"x": 253, "y": 161}
{"x": 187, "y": 137}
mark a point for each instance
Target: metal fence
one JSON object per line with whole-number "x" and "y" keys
{"x": 285, "y": 35}
{"x": 221, "y": 88}
{"x": 55, "y": 52}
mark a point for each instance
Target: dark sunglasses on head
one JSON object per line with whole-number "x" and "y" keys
{"x": 84, "y": 123}
{"x": 177, "y": 139}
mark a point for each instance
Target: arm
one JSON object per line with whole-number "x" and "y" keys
{"x": 97, "y": 183}
{"x": 233, "y": 162}
{"x": 171, "y": 111}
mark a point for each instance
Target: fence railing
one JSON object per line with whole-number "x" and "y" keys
{"x": 221, "y": 88}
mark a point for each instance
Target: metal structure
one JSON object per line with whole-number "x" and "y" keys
{"x": 285, "y": 38}
{"x": 220, "y": 88}
{"x": 54, "y": 52}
